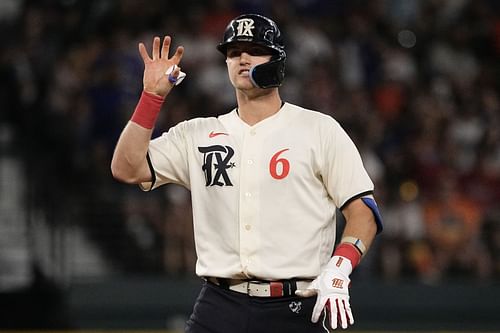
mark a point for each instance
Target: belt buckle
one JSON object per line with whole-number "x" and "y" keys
{"x": 258, "y": 288}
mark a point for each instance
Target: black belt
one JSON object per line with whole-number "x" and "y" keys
{"x": 260, "y": 288}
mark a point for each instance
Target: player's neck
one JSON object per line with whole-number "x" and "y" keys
{"x": 253, "y": 109}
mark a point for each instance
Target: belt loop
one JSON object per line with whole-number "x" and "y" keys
{"x": 293, "y": 287}
{"x": 248, "y": 288}
{"x": 289, "y": 287}
{"x": 223, "y": 283}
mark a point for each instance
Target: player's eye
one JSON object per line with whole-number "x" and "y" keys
{"x": 253, "y": 51}
{"x": 258, "y": 51}
{"x": 232, "y": 53}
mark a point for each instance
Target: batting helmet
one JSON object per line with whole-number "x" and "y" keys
{"x": 263, "y": 31}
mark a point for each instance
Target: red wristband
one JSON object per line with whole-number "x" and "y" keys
{"x": 350, "y": 252}
{"x": 147, "y": 110}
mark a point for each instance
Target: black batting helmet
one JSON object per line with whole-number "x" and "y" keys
{"x": 263, "y": 31}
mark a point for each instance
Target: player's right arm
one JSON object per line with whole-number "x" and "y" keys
{"x": 129, "y": 163}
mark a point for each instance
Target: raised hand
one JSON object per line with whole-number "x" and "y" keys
{"x": 155, "y": 79}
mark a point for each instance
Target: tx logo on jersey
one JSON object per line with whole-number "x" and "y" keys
{"x": 245, "y": 27}
{"x": 216, "y": 161}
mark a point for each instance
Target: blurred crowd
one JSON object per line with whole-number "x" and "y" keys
{"x": 416, "y": 83}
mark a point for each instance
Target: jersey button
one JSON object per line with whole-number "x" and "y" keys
{"x": 250, "y": 162}
{"x": 252, "y": 132}
{"x": 248, "y": 227}
{"x": 248, "y": 194}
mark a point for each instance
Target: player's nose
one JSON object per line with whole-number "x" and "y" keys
{"x": 245, "y": 58}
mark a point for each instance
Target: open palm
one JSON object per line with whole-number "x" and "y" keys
{"x": 154, "y": 80}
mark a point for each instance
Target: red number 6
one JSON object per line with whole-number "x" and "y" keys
{"x": 275, "y": 162}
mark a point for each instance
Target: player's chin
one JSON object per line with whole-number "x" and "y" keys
{"x": 243, "y": 83}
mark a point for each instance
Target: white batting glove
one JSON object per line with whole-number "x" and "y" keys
{"x": 332, "y": 289}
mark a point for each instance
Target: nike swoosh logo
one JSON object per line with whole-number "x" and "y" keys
{"x": 214, "y": 134}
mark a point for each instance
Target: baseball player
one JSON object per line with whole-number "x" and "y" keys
{"x": 265, "y": 180}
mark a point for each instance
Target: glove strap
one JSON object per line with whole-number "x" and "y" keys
{"x": 147, "y": 110}
{"x": 349, "y": 251}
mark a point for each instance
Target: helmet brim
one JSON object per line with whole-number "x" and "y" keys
{"x": 222, "y": 47}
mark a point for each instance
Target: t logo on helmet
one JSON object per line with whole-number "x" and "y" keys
{"x": 245, "y": 27}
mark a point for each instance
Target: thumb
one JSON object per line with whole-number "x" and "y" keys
{"x": 311, "y": 290}
{"x": 305, "y": 292}
{"x": 172, "y": 73}
{"x": 175, "y": 75}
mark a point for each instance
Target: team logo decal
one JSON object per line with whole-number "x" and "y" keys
{"x": 295, "y": 307}
{"x": 337, "y": 283}
{"x": 216, "y": 161}
{"x": 245, "y": 27}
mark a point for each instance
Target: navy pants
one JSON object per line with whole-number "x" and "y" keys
{"x": 218, "y": 310}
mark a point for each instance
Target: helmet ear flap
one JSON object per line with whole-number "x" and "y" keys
{"x": 270, "y": 74}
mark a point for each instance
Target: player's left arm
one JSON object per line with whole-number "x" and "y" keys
{"x": 361, "y": 224}
{"x": 351, "y": 188}
{"x": 332, "y": 285}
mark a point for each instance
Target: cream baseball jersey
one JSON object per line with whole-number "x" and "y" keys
{"x": 263, "y": 196}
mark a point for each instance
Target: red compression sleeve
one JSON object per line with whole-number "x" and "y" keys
{"x": 147, "y": 110}
{"x": 350, "y": 252}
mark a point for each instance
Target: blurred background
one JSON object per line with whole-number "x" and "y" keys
{"x": 415, "y": 83}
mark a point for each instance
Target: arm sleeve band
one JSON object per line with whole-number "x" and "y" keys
{"x": 147, "y": 110}
{"x": 376, "y": 213}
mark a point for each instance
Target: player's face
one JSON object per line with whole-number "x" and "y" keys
{"x": 240, "y": 58}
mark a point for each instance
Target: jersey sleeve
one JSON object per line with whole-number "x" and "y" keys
{"x": 344, "y": 174}
{"x": 167, "y": 158}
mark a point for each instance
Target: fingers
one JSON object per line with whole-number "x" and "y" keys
{"x": 334, "y": 313}
{"x": 179, "y": 52}
{"x": 341, "y": 313}
{"x": 165, "y": 49}
{"x": 349, "y": 313}
{"x": 318, "y": 308}
{"x": 163, "y": 53}
{"x": 156, "y": 48}
{"x": 144, "y": 53}
{"x": 337, "y": 311}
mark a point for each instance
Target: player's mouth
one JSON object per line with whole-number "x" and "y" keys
{"x": 244, "y": 72}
